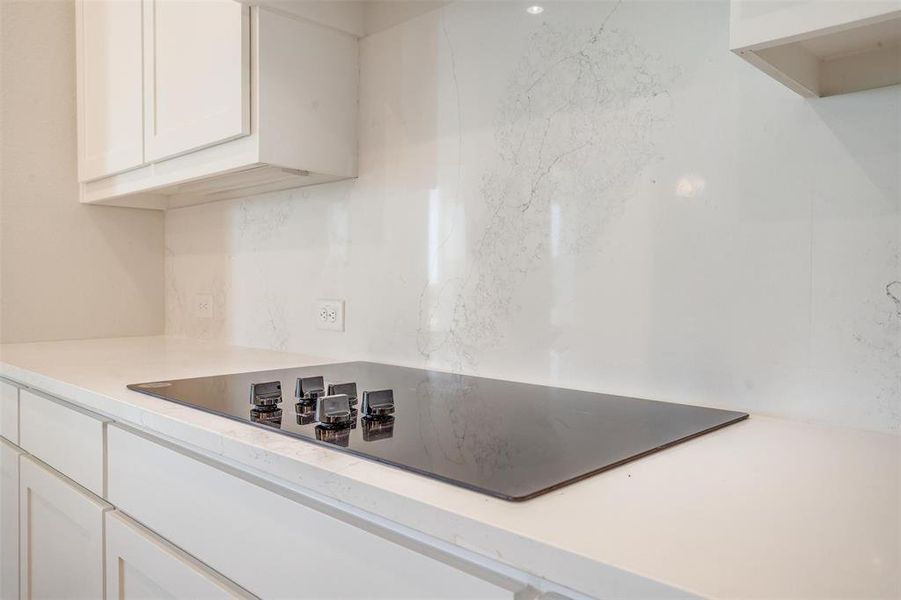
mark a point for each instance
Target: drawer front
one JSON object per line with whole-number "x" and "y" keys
{"x": 141, "y": 565}
{"x": 9, "y": 412}
{"x": 68, "y": 439}
{"x": 61, "y": 536}
{"x": 265, "y": 542}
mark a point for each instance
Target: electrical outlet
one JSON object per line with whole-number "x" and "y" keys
{"x": 329, "y": 315}
{"x": 203, "y": 305}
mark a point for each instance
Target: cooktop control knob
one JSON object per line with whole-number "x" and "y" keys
{"x": 378, "y": 404}
{"x": 308, "y": 389}
{"x": 349, "y": 389}
{"x": 266, "y": 394}
{"x": 334, "y": 411}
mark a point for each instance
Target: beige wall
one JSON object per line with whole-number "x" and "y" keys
{"x": 66, "y": 270}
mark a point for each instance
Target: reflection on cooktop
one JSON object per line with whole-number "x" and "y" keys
{"x": 339, "y": 436}
{"x": 378, "y": 429}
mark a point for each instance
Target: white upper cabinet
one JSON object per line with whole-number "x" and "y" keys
{"x": 110, "y": 94}
{"x": 198, "y": 74}
{"x": 821, "y": 47}
{"x": 205, "y": 100}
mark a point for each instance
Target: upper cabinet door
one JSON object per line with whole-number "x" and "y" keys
{"x": 110, "y": 87}
{"x": 197, "y": 74}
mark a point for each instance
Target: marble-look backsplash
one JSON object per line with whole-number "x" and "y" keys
{"x": 601, "y": 196}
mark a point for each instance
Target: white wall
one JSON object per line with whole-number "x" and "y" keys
{"x": 67, "y": 271}
{"x": 601, "y": 197}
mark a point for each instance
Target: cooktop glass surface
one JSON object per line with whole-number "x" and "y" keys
{"x": 510, "y": 440}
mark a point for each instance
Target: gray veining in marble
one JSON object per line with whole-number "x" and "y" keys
{"x": 600, "y": 197}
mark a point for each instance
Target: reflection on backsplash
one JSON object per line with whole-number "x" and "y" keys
{"x": 573, "y": 198}
{"x": 579, "y": 96}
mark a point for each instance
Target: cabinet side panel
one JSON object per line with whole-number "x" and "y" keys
{"x": 308, "y": 95}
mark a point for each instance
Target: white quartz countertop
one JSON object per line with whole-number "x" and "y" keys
{"x": 765, "y": 508}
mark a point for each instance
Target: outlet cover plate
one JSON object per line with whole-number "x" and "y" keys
{"x": 329, "y": 315}
{"x": 203, "y": 305}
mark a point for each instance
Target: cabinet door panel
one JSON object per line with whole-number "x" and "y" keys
{"x": 198, "y": 75}
{"x": 110, "y": 87}
{"x": 141, "y": 565}
{"x": 9, "y": 521}
{"x": 61, "y": 536}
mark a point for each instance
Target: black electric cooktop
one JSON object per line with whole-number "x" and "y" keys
{"x": 510, "y": 440}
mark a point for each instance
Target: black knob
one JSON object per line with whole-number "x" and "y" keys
{"x": 334, "y": 411}
{"x": 348, "y": 389}
{"x": 266, "y": 394}
{"x": 309, "y": 388}
{"x": 378, "y": 404}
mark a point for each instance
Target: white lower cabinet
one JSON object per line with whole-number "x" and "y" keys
{"x": 266, "y": 541}
{"x": 9, "y": 412}
{"x": 141, "y": 565}
{"x": 180, "y": 525}
{"x": 67, "y": 438}
{"x": 9, "y": 520}
{"x": 61, "y": 536}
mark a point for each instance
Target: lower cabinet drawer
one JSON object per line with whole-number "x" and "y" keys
{"x": 141, "y": 565}
{"x": 60, "y": 536}
{"x": 9, "y": 412}
{"x": 65, "y": 437}
{"x": 264, "y": 541}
